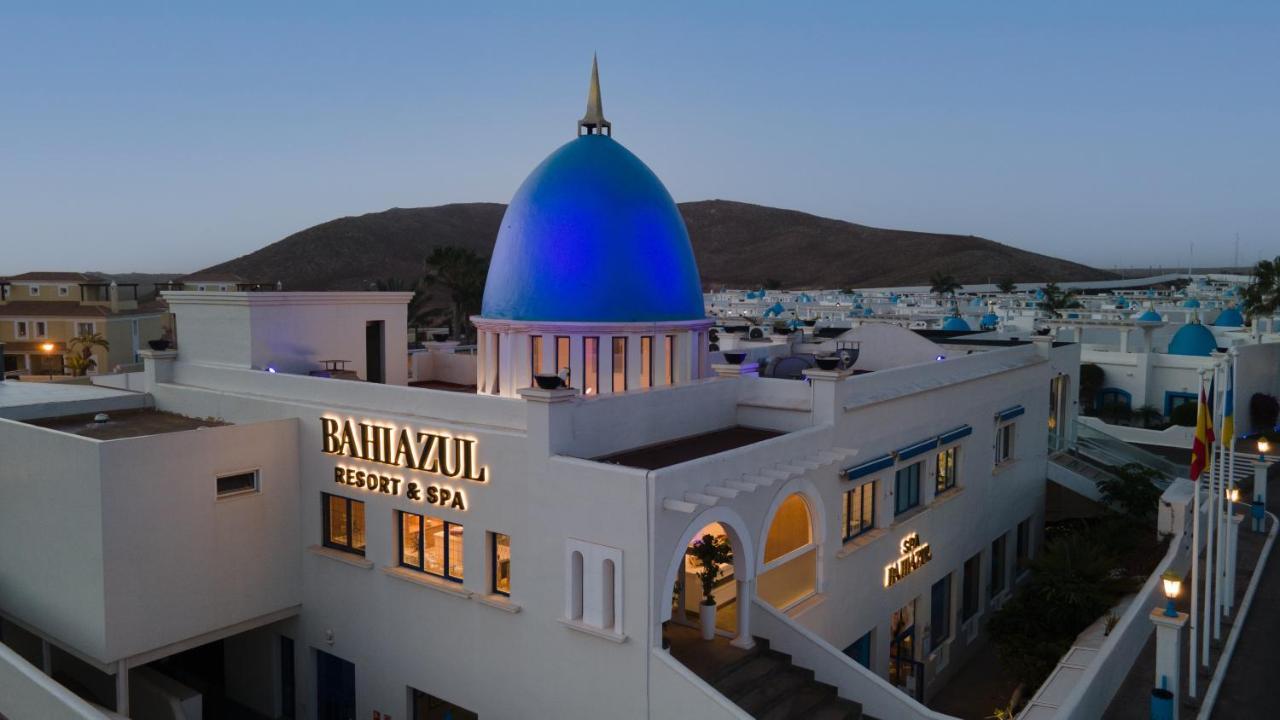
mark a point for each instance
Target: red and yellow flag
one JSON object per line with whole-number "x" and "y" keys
{"x": 1200, "y": 445}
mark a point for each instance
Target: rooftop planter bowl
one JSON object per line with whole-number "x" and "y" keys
{"x": 735, "y": 358}
{"x": 161, "y": 344}
{"x": 547, "y": 382}
{"x": 827, "y": 362}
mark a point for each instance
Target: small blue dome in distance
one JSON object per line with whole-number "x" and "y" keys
{"x": 1230, "y": 317}
{"x": 1191, "y": 303}
{"x": 868, "y": 311}
{"x": 1193, "y": 339}
{"x": 1122, "y": 303}
{"x": 990, "y": 320}
{"x": 1150, "y": 316}
{"x": 955, "y": 323}
{"x": 593, "y": 236}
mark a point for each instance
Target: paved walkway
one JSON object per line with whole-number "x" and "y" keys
{"x": 1133, "y": 700}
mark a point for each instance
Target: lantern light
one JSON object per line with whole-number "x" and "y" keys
{"x": 1264, "y": 445}
{"x": 47, "y": 347}
{"x": 1172, "y": 586}
{"x": 1233, "y": 495}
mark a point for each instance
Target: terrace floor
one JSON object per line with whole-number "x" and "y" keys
{"x": 446, "y": 386}
{"x": 692, "y": 447}
{"x": 125, "y": 423}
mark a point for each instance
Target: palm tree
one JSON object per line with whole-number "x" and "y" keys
{"x": 1007, "y": 286}
{"x": 462, "y": 273}
{"x": 82, "y": 346}
{"x": 417, "y": 304}
{"x": 1262, "y": 297}
{"x": 941, "y": 283}
{"x": 1056, "y": 300}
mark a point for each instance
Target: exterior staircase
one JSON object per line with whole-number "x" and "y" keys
{"x": 768, "y": 686}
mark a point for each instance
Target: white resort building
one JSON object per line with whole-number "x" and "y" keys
{"x": 229, "y": 529}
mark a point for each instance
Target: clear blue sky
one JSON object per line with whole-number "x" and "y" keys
{"x": 161, "y": 137}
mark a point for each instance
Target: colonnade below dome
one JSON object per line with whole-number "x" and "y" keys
{"x": 595, "y": 359}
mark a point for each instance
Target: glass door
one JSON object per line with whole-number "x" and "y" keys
{"x": 902, "y": 646}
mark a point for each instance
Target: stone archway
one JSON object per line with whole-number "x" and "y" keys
{"x": 735, "y": 529}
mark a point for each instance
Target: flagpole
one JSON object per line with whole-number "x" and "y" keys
{"x": 1195, "y": 555}
{"x": 1233, "y": 535}
{"x": 1210, "y": 521}
{"x": 1220, "y": 558}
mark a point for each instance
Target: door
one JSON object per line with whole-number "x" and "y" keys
{"x": 902, "y": 645}
{"x": 288, "y": 689}
{"x": 374, "y": 362}
{"x": 335, "y": 688}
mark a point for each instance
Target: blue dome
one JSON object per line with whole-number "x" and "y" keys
{"x": 990, "y": 320}
{"x": 955, "y": 323}
{"x": 1193, "y": 339}
{"x": 1191, "y": 303}
{"x": 593, "y": 236}
{"x": 1230, "y": 317}
{"x": 1150, "y": 316}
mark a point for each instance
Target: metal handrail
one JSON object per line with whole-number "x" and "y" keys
{"x": 1113, "y": 451}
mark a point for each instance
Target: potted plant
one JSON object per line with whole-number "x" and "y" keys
{"x": 547, "y": 382}
{"x": 709, "y": 552}
{"x": 164, "y": 341}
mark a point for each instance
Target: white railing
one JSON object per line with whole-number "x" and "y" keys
{"x": 676, "y": 692}
{"x": 852, "y": 681}
{"x": 25, "y": 692}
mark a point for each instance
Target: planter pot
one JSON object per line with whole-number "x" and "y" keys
{"x": 547, "y": 382}
{"x": 827, "y": 362}
{"x": 158, "y": 344}
{"x": 707, "y": 618}
{"x": 735, "y": 358}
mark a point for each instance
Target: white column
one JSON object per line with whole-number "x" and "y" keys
{"x": 1169, "y": 652}
{"x": 746, "y": 591}
{"x": 659, "y": 359}
{"x": 606, "y": 365}
{"x": 633, "y": 362}
{"x": 504, "y": 342}
{"x": 1124, "y": 340}
{"x": 122, "y": 688}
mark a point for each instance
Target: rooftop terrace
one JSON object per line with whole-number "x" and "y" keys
{"x": 692, "y": 447}
{"x": 125, "y": 424}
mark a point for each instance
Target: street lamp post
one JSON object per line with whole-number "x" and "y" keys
{"x": 1169, "y": 623}
{"x": 1258, "y": 507}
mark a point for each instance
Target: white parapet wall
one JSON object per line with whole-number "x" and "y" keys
{"x": 25, "y": 692}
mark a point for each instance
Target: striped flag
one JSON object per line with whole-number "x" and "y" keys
{"x": 1200, "y": 445}
{"x": 1228, "y": 409}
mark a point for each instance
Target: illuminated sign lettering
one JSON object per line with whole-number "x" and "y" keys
{"x": 430, "y": 452}
{"x": 914, "y": 555}
{"x": 431, "y": 494}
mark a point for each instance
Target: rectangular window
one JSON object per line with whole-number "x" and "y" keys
{"x": 431, "y": 545}
{"x": 343, "y": 524}
{"x": 619, "y": 364}
{"x": 998, "y": 551}
{"x": 969, "y": 592}
{"x": 1022, "y": 546}
{"x": 85, "y": 328}
{"x": 501, "y": 562}
{"x": 590, "y": 365}
{"x": 1004, "y": 443}
{"x": 669, "y": 347}
{"x": 535, "y": 357}
{"x": 906, "y": 488}
{"x": 946, "y": 470}
{"x": 940, "y": 613}
{"x": 20, "y": 328}
{"x": 562, "y": 358}
{"x": 245, "y": 482}
{"x": 42, "y": 329}
{"x": 33, "y": 290}
{"x": 859, "y": 510}
{"x": 646, "y": 362}
{"x": 63, "y": 291}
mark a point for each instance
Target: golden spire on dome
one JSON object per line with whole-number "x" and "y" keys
{"x": 593, "y": 122}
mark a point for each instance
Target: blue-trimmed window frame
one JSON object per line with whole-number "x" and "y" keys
{"x": 1111, "y": 392}
{"x": 1005, "y": 444}
{"x": 859, "y": 502}
{"x": 1170, "y": 396}
{"x": 906, "y": 495}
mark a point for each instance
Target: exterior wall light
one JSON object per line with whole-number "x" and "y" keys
{"x": 1172, "y": 586}
{"x": 47, "y": 347}
{"x": 1233, "y": 495}
{"x": 1264, "y": 446}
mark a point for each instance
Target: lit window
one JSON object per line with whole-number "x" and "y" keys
{"x": 535, "y": 356}
{"x": 646, "y": 361}
{"x": 790, "y": 573}
{"x": 859, "y": 512}
{"x": 590, "y": 365}
{"x": 343, "y": 524}
{"x": 1004, "y": 443}
{"x": 946, "y": 470}
{"x": 245, "y": 482}
{"x": 906, "y": 488}
{"x": 562, "y": 358}
{"x": 431, "y": 545}
{"x": 42, "y": 329}
{"x": 84, "y": 328}
{"x": 501, "y": 563}
{"x": 790, "y": 528}
{"x": 20, "y": 328}
{"x": 619, "y": 364}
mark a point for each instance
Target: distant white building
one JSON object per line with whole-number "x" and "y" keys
{"x": 324, "y": 548}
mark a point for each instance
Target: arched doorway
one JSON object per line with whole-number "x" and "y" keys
{"x": 734, "y": 586}
{"x": 789, "y": 564}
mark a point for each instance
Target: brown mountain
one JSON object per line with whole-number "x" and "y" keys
{"x": 737, "y": 244}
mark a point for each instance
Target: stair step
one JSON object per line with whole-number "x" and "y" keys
{"x": 762, "y": 696}
{"x": 797, "y": 704}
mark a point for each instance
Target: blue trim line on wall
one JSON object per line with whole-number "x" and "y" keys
{"x": 868, "y": 467}
{"x": 915, "y": 449}
{"x": 1010, "y": 413}
{"x": 953, "y": 435}
{"x": 1101, "y": 398}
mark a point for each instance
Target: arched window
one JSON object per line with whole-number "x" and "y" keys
{"x": 606, "y": 595}
{"x": 575, "y": 590}
{"x": 790, "y": 572}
